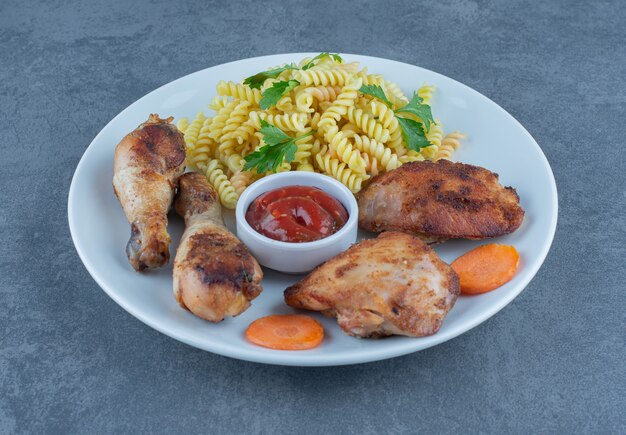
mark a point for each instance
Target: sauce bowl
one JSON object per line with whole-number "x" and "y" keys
{"x": 296, "y": 257}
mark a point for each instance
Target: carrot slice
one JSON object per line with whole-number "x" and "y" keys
{"x": 486, "y": 268}
{"x": 286, "y": 332}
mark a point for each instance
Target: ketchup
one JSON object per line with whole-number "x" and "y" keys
{"x": 296, "y": 214}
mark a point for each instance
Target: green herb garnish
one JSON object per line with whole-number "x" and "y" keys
{"x": 413, "y": 132}
{"x": 257, "y": 80}
{"x": 375, "y": 91}
{"x": 272, "y": 95}
{"x": 417, "y": 108}
{"x": 313, "y": 61}
{"x": 278, "y": 147}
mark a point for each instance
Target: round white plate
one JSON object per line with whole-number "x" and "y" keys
{"x": 495, "y": 140}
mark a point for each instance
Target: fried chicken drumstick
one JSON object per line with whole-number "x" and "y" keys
{"x": 148, "y": 162}
{"x": 214, "y": 273}
{"x": 439, "y": 201}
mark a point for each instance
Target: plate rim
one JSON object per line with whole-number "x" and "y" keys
{"x": 294, "y": 358}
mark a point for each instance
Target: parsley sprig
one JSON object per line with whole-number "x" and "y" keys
{"x": 313, "y": 61}
{"x": 413, "y": 132}
{"x": 272, "y": 95}
{"x": 257, "y": 80}
{"x": 278, "y": 147}
{"x": 417, "y": 107}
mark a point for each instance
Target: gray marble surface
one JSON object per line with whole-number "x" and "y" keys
{"x": 72, "y": 361}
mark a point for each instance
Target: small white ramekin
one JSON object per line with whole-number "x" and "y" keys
{"x": 296, "y": 257}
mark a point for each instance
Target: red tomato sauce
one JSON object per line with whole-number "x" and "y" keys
{"x": 296, "y": 214}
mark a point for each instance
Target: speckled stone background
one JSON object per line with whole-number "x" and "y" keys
{"x": 71, "y": 360}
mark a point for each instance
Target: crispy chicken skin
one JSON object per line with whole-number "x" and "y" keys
{"x": 214, "y": 273}
{"x": 439, "y": 201}
{"x": 394, "y": 284}
{"x": 148, "y": 162}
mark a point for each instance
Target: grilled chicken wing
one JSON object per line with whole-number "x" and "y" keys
{"x": 394, "y": 284}
{"x": 214, "y": 274}
{"x": 438, "y": 201}
{"x": 148, "y": 161}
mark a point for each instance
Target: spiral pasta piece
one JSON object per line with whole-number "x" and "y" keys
{"x": 218, "y": 103}
{"x": 192, "y": 132}
{"x": 289, "y": 122}
{"x": 395, "y": 94}
{"x": 283, "y": 167}
{"x": 411, "y": 156}
{"x": 339, "y": 171}
{"x": 220, "y": 119}
{"x": 434, "y": 136}
{"x": 341, "y": 146}
{"x": 371, "y": 165}
{"x": 368, "y": 124}
{"x": 353, "y": 67}
{"x": 229, "y": 154}
{"x": 327, "y": 62}
{"x": 203, "y": 149}
{"x": 304, "y": 145}
{"x": 237, "y": 117}
{"x": 182, "y": 124}
{"x": 370, "y": 79}
{"x": 304, "y": 102}
{"x": 215, "y": 174}
{"x": 375, "y": 150}
{"x": 240, "y": 180}
{"x": 285, "y": 104}
{"x": 239, "y": 91}
{"x": 339, "y": 108}
{"x": 388, "y": 119}
{"x": 426, "y": 93}
{"x": 449, "y": 144}
{"x": 321, "y": 76}
{"x": 324, "y": 93}
{"x": 305, "y": 165}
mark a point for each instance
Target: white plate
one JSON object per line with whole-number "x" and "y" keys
{"x": 496, "y": 141}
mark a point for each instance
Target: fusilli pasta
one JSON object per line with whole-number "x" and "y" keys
{"x": 350, "y": 135}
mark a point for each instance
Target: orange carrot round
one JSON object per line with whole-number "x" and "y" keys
{"x": 486, "y": 268}
{"x": 286, "y": 332}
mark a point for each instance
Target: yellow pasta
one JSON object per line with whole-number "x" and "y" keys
{"x": 434, "y": 136}
{"x": 182, "y": 124}
{"x": 239, "y": 91}
{"x": 219, "y": 120}
{"x": 203, "y": 148}
{"x": 340, "y": 145}
{"x": 449, "y": 144}
{"x": 426, "y": 93}
{"x": 383, "y": 155}
{"x": 322, "y": 76}
{"x": 350, "y": 136}
{"x": 339, "y": 171}
{"x": 192, "y": 132}
{"x": 395, "y": 94}
{"x": 368, "y": 124}
{"x": 287, "y": 122}
{"x": 339, "y": 107}
{"x": 389, "y": 121}
{"x": 240, "y": 180}
{"x": 215, "y": 174}
{"x": 218, "y": 103}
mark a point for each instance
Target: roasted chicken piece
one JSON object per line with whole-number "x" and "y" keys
{"x": 439, "y": 201}
{"x": 148, "y": 162}
{"x": 214, "y": 273}
{"x": 394, "y": 284}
